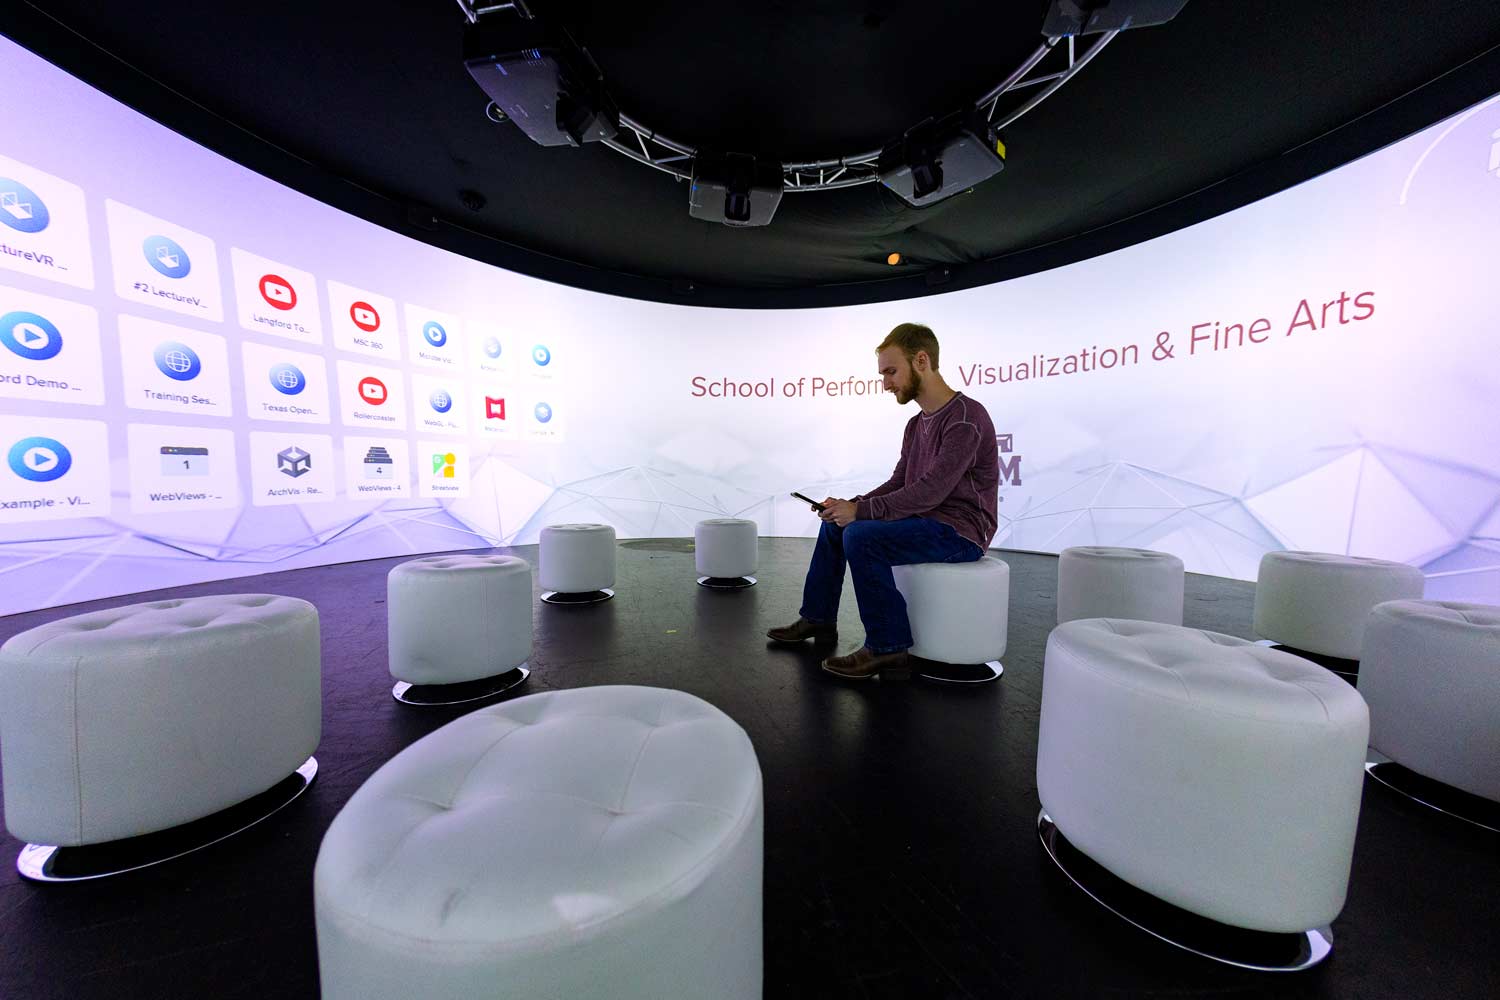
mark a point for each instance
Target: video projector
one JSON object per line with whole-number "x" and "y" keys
{"x": 939, "y": 158}
{"x": 541, "y": 80}
{"x": 1091, "y": 17}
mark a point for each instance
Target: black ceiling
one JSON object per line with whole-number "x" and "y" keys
{"x": 367, "y": 105}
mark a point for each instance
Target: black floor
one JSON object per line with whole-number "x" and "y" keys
{"x": 901, "y": 852}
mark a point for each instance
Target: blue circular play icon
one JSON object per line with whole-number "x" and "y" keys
{"x": 40, "y": 459}
{"x": 31, "y": 336}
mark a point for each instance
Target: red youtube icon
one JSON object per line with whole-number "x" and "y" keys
{"x": 372, "y": 390}
{"x": 278, "y": 292}
{"x": 365, "y": 317}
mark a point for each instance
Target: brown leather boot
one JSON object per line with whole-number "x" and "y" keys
{"x": 803, "y": 629}
{"x": 866, "y": 665}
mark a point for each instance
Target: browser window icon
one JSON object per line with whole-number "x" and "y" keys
{"x": 378, "y": 464}
{"x": 183, "y": 460}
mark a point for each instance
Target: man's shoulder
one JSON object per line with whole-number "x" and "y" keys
{"x": 969, "y": 410}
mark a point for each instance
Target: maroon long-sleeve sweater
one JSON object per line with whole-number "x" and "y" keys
{"x": 949, "y": 471}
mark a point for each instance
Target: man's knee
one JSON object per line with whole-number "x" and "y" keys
{"x": 858, "y": 536}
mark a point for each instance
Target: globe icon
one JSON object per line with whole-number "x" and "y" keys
{"x": 177, "y": 361}
{"x": 287, "y": 379}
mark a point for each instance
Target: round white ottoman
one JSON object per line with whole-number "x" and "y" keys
{"x": 1105, "y": 581}
{"x": 724, "y": 552}
{"x": 599, "y": 842}
{"x": 459, "y": 627}
{"x": 1431, "y": 676}
{"x": 1213, "y": 773}
{"x": 119, "y": 723}
{"x": 1318, "y": 602}
{"x": 576, "y": 563}
{"x": 959, "y": 613}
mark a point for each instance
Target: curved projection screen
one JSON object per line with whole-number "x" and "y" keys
{"x": 204, "y": 374}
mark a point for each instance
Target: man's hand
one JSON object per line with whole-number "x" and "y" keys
{"x": 840, "y": 512}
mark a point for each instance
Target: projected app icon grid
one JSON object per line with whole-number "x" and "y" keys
{"x": 225, "y": 343}
{"x": 490, "y": 387}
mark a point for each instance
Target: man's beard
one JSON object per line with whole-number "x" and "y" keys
{"x": 908, "y": 392}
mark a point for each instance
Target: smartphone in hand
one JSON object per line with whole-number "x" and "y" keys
{"x": 809, "y": 500}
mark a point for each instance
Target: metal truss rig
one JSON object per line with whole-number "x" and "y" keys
{"x": 647, "y": 146}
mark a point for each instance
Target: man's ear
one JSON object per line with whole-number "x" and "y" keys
{"x": 921, "y": 362}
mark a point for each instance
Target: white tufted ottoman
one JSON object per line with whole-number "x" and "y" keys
{"x": 1102, "y": 581}
{"x": 599, "y": 842}
{"x": 120, "y": 723}
{"x": 1317, "y": 602}
{"x": 576, "y": 563}
{"x": 959, "y": 613}
{"x": 1431, "y": 675}
{"x": 459, "y": 627}
{"x": 724, "y": 552}
{"x": 1213, "y": 773}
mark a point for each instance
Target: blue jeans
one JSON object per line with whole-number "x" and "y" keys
{"x": 870, "y": 549}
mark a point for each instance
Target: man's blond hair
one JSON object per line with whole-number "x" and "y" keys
{"x": 911, "y": 338}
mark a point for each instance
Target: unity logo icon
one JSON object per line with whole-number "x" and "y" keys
{"x": 177, "y": 361}
{"x": 164, "y": 254}
{"x": 20, "y": 208}
{"x": 440, "y": 400}
{"x": 30, "y": 336}
{"x": 278, "y": 292}
{"x": 40, "y": 459}
{"x": 287, "y": 379}
{"x": 492, "y": 347}
{"x": 434, "y": 333}
{"x": 293, "y": 462}
{"x": 373, "y": 391}
{"x": 543, "y": 413}
{"x": 365, "y": 317}
{"x": 541, "y": 355}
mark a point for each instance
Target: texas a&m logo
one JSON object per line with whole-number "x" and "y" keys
{"x": 1010, "y": 464}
